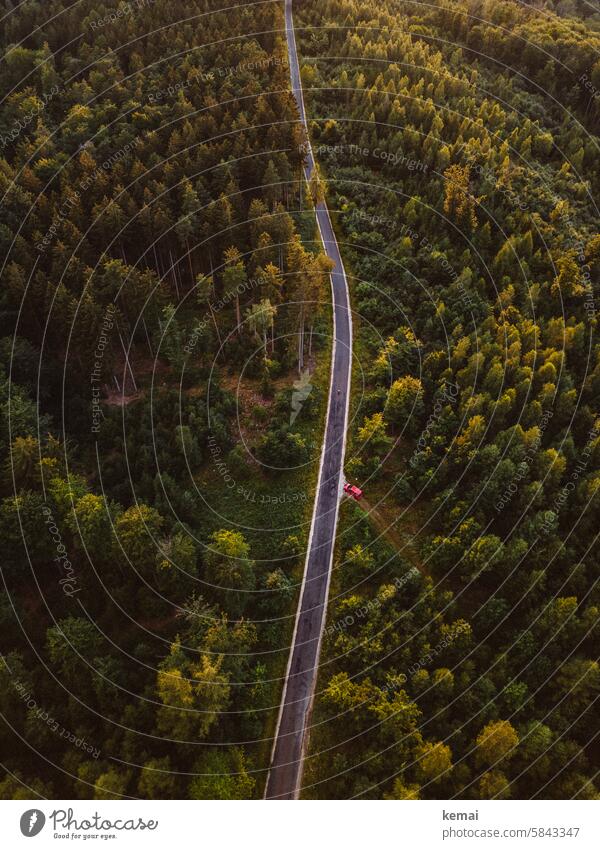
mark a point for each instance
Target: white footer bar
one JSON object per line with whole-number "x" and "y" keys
{"x": 302, "y": 825}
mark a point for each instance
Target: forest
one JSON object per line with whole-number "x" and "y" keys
{"x": 162, "y": 295}
{"x": 165, "y": 338}
{"x": 458, "y": 144}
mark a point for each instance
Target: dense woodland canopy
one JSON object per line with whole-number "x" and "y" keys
{"x": 458, "y": 144}
{"x": 154, "y": 249}
{"x": 156, "y": 244}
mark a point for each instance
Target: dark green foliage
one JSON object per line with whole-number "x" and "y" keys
{"x": 462, "y": 165}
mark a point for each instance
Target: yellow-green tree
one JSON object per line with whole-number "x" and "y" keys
{"x": 496, "y": 742}
{"x": 459, "y": 203}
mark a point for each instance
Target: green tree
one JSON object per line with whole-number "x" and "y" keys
{"x": 435, "y": 761}
{"x": 459, "y": 203}
{"x": 173, "y": 339}
{"x": 234, "y": 279}
{"x": 494, "y": 785}
{"x": 90, "y": 523}
{"x": 224, "y": 775}
{"x": 24, "y": 461}
{"x": 192, "y": 695}
{"x": 359, "y": 561}
{"x": 402, "y": 790}
{"x": 187, "y": 225}
{"x": 229, "y": 570}
{"x": 73, "y": 646}
{"x": 136, "y": 537}
{"x": 205, "y": 290}
{"x": 404, "y": 405}
{"x": 496, "y": 742}
{"x": 112, "y": 784}
{"x": 157, "y": 781}
{"x": 261, "y": 318}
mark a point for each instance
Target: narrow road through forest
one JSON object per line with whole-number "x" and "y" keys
{"x": 291, "y": 736}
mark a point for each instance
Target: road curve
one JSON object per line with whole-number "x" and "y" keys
{"x": 291, "y": 735}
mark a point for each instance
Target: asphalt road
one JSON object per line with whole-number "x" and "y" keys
{"x": 285, "y": 774}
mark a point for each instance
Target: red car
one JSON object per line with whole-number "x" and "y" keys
{"x": 354, "y": 491}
